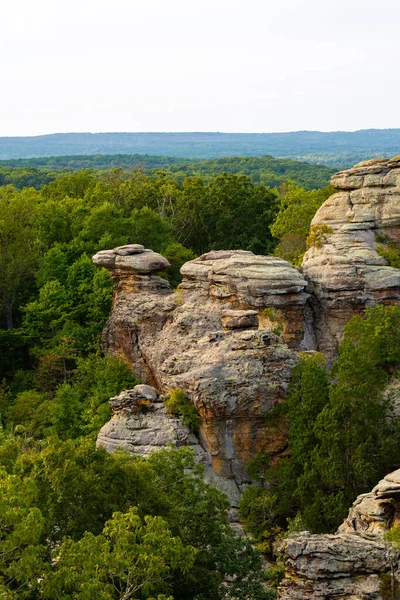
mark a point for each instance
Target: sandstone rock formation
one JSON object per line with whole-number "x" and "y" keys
{"x": 132, "y": 258}
{"x": 216, "y": 338}
{"x": 344, "y": 270}
{"x": 354, "y": 564}
{"x": 140, "y": 424}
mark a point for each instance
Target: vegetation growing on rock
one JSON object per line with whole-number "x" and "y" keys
{"x": 61, "y": 497}
{"x": 177, "y": 404}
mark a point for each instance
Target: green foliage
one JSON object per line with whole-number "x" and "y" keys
{"x": 393, "y": 536}
{"x": 75, "y": 306}
{"x": 76, "y": 522}
{"x": 317, "y": 236}
{"x": 389, "y": 249}
{"x": 107, "y": 516}
{"x": 389, "y": 586}
{"x": 275, "y": 574}
{"x": 177, "y": 404}
{"x": 81, "y": 406}
{"x": 269, "y": 171}
{"x": 18, "y": 248}
{"x": 177, "y": 255}
{"x": 259, "y": 511}
{"x": 30, "y": 410}
{"x": 340, "y": 437}
{"x": 292, "y": 224}
{"x": 21, "y": 530}
{"x": 131, "y": 558}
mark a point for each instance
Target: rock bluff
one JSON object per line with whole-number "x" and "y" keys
{"x": 344, "y": 270}
{"x": 226, "y": 337}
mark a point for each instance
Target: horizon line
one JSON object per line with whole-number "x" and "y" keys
{"x": 198, "y": 132}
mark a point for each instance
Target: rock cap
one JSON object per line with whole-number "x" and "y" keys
{"x": 131, "y": 258}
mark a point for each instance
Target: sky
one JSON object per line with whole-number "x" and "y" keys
{"x": 204, "y": 65}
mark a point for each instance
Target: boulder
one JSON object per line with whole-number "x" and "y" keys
{"x": 132, "y": 258}
{"x": 239, "y": 319}
{"x": 141, "y": 424}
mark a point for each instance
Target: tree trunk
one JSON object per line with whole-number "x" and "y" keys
{"x": 10, "y": 319}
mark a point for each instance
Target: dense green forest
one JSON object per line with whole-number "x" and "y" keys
{"x": 152, "y": 527}
{"x": 77, "y": 523}
{"x": 339, "y": 149}
{"x": 272, "y": 172}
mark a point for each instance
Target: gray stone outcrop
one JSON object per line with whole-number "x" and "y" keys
{"x": 344, "y": 270}
{"x": 132, "y": 258}
{"x": 226, "y": 337}
{"x": 355, "y": 563}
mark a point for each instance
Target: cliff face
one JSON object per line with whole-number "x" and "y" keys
{"x": 344, "y": 270}
{"x": 353, "y": 564}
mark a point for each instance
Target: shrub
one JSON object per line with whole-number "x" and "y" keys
{"x": 177, "y": 404}
{"x": 389, "y": 250}
{"x": 317, "y": 236}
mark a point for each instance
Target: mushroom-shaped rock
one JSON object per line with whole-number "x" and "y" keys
{"x": 132, "y": 258}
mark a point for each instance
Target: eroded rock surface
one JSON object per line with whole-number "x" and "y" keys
{"x": 216, "y": 338}
{"x": 132, "y": 258}
{"x": 344, "y": 270}
{"x": 141, "y": 424}
{"x": 353, "y": 564}
{"x": 230, "y": 335}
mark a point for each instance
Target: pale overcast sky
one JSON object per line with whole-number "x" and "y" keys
{"x": 209, "y": 65}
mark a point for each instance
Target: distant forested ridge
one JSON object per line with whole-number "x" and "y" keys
{"x": 265, "y": 170}
{"x": 338, "y": 148}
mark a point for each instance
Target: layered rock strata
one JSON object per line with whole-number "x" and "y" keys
{"x": 344, "y": 269}
{"x": 355, "y": 563}
{"x": 223, "y": 337}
